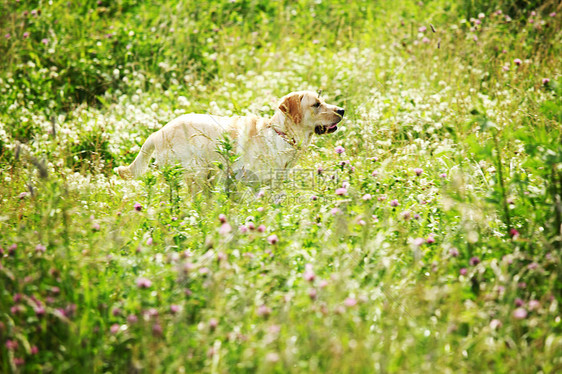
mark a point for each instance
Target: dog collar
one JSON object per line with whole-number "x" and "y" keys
{"x": 284, "y": 136}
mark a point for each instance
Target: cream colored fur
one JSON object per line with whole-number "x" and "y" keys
{"x": 264, "y": 144}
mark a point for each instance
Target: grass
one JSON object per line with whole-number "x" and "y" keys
{"x": 442, "y": 255}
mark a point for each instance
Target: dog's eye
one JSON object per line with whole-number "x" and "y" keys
{"x": 316, "y": 104}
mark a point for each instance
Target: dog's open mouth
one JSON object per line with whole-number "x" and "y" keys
{"x": 321, "y": 130}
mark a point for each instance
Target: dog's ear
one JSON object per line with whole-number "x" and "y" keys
{"x": 291, "y": 107}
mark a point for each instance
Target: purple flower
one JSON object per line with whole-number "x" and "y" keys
{"x": 418, "y": 171}
{"x": 157, "y": 329}
{"x": 430, "y": 240}
{"x": 422, "y": 29}
{"x": 174, "y": 308}
{"x": 367, "y": 197}
{"x": 263, "y": 311}
{"x": 553, "y": 14}
{"x": 11, "y": 345}
{"x": 418, "y": 241}
{"x": 143, "y": 283}
{"x": 517, "y": 61}
{"x": 453, "y": 252}
{"x": 425, "y": 40}
{"x": 222, "y": 218}
{"x": 341, "y": 191}
{"x": 272, "y": 239}
{"x": 26, "y": 35}
{"x": 463, "y": 271}
{"x": 314, "y": 198}
{"x": 45, "y": 41}
{"x": 7, "y": 36}
{"x": 545, "y": 81}
{"x": 474, "y": 261}
{"x": 309, "y": 273}
{"x": 132, "y": 319}
{"x": 534, "y": 304}
{"x": 114, "y": 328}
{"x": 312, "y": 293}
{"x": 520, "y": 313}
{"x": 350, "y": 302}
{"x": 40, "y": 248}
{"x": 514, "y": 233}
{"x": 339, "y": 149}
{"x": 243, "y": 229}
{"x": 495, "y": 324}
{"x": 213, "y": 323}
{"x": 417, "y": 216}
{"x": 138, "y": 207}
{"x": 225, "y": 229}
{"x": 394, "y": 203}
{"x": 261, "y": 228}
{"x": 519, "y": 302}
{"x": 34, "y": 350}
{"x": 335, "y": 211}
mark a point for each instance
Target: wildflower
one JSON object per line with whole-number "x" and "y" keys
{"x": 45, "y": 41}
{"x": 272, "y": 239}
{"x": 19, "y": 361}
{"x": 213, "y": 323}
{"x": 367, "y": 197}
{"x": 406, "y": 215}
{"x": 314, "y": 198}
{"x": 418, "y": 171}
{"x": 495, "y": 324}
{"x": 519, "y": 302}
{"x": 132, "y": 319}
{"x": 261, "y": 228}
{"x": 40, "y": 248}
{"x": 532, "y": 266}
{"x": 222, "y": 218}
{"x": 534, "y": 304}
{"x": 481, "y": 15}
{"x": 96, "y": 227}
{"x": 422, "y": 29}
{"x": 114, "y": 329}
{"x": 312, "y": 293}
{"x": 416, "y": 216}
{"x": 418, "y": 241}
{"x": 149, "y": 241}
{"x": 26, "y": 35}
{"x": 443, "y": 175}
{"x": 309, "y": 273}
{"x": 553, "y": 14}
{"x": 263, "y": 311}
{"x": 361, "y": 222}
{"x": 517, "y": 61}
{"x": 545, "y": 81}
{"x": 453, "y": 252}
{"x": 350, "y": 302}
{"x": 260, "y": 209}
{"x": 341, "y": 191}
{"x": 375, "y": 173}
{"x": 463, "y": 271}
{"x": 394, "y": 203}
{"x": 251, "y": 226}
{"x": 243, "y": 229}
{"x": 7, "y": 36}
{"x": 138, "y": 207}
{"x": 520, "y": 313}
{"x": 174, "y": 308}
{"x": 11, "y": 345}
{"x": 430, "y": 240}
{"x": 505, "y": 68}
{"x": 474, "y": 261}
{"x": 335, "y": 211}
{"x": 34, "y": 350}
{"x": 157, "y": 329}
{"x": 514, "y": 233}
{"x": 425, "y": 40}
{"x": 339, "y": 149}
{"x": 225, "y": 229}
{"x": 40, "y": 311}
{"x": 143, "y": 283}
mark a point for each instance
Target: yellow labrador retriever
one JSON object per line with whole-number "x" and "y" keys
{"x": 262, "y": 144}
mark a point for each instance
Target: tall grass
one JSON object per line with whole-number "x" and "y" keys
{"x": 439, "y": 253}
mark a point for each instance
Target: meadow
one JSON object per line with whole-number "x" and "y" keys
{"x": 424, "y": 235}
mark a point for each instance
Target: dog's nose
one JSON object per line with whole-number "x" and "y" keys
{"x": 340, "y": 111}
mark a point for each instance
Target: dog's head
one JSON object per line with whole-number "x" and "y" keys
{"x": 306, "y": 111}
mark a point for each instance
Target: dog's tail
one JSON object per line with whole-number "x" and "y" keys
{"x": 138, "y": 167}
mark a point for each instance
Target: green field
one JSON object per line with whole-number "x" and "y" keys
{"x": 441, "y": 255}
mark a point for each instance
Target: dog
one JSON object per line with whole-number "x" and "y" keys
{"x": 262, "y": 144}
